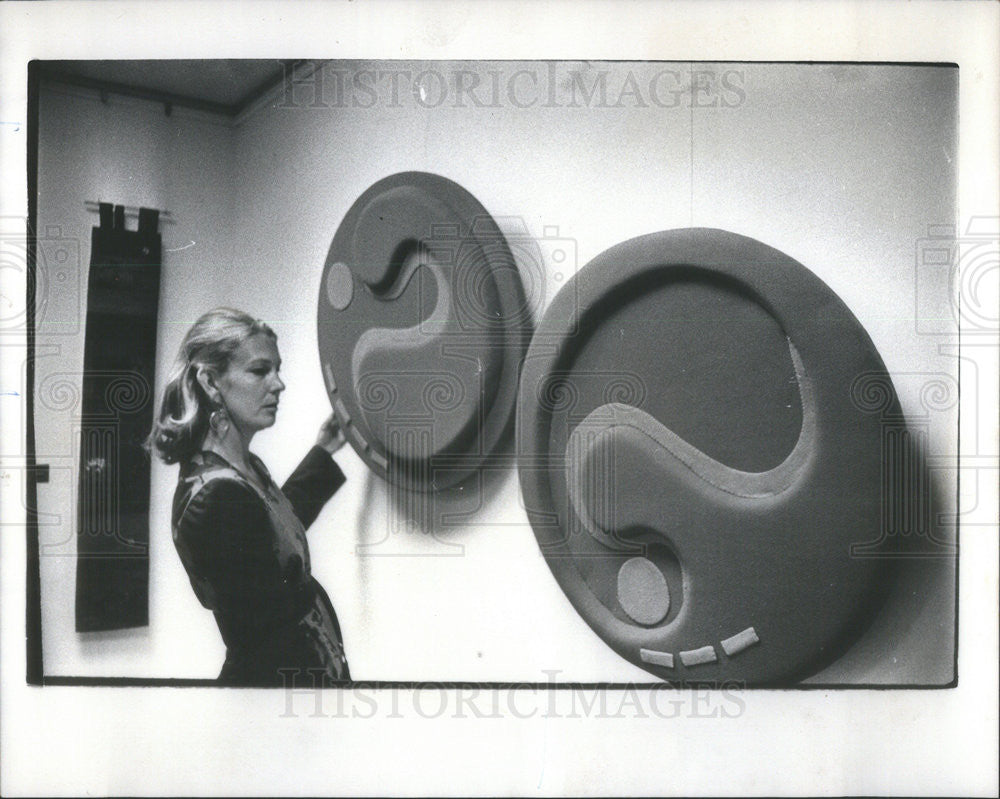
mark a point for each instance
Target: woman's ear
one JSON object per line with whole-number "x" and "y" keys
{"x": 207, "y": 380}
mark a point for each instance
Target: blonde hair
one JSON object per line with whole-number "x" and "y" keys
{"x": 182, "y": 420}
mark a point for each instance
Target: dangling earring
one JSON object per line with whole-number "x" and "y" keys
{"x": 218, "y": 420}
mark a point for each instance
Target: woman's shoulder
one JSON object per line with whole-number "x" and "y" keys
{"x": 210, "y": 489}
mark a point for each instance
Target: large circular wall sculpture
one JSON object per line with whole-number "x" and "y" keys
{"x": 694, "y": 463}
{"x": 422, "y": 325}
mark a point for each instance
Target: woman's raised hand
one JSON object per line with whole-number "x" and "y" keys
{"x": 331, "y": 437}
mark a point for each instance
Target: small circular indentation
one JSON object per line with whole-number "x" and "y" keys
{"x": 642, "y": 591}
{"x": 339, "y": 286}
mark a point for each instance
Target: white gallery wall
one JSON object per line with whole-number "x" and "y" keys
{"x": 843, "y": 168}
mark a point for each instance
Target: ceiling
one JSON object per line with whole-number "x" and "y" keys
{"x": 224, "y": 86}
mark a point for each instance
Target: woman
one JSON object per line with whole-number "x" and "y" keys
{"x": 241, "y": 538}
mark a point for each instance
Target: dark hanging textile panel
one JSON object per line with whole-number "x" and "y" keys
{"x": 123, "y": 288}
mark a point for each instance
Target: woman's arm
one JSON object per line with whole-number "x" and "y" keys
{"x": 312, "y": 483}
{"x": 317, "y": 478}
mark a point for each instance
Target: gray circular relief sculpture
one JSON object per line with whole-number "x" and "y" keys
{"x": 422, "y": 323}
{"x": 696, "y": 464}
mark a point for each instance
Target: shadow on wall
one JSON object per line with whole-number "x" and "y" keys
{"x": 918, "y": 541}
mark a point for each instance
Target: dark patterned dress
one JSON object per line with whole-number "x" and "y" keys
{"x": 246, "y": 555}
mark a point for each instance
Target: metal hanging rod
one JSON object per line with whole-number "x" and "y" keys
{"x": 168, "y": 99}
{"x": 130, "y": 210}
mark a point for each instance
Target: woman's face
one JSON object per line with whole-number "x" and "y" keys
{"x": 250, "y": 387}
